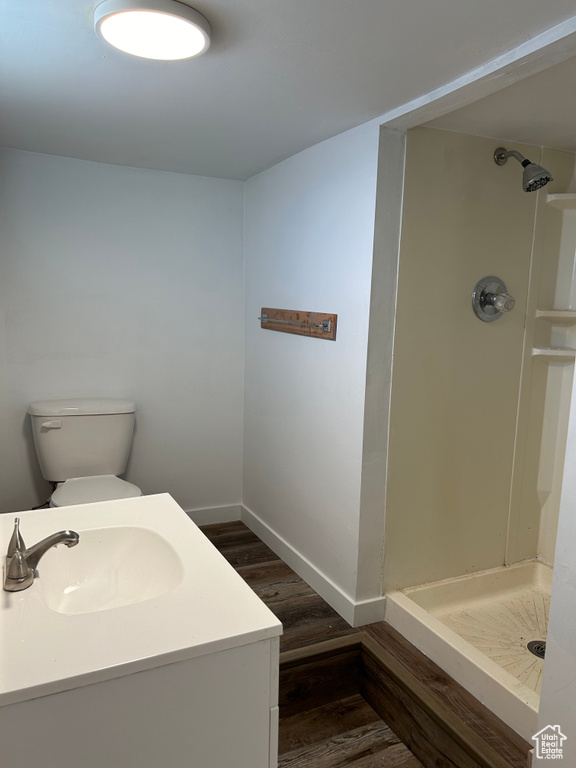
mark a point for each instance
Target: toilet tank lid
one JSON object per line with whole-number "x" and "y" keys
{"x": 81, "y": 407}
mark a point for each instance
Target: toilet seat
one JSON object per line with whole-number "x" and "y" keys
{"x": 84, "y": 490}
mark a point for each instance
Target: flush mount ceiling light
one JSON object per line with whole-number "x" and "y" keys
{"x": 153, "y": 29}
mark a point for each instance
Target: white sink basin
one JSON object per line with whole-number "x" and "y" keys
{"x": 109, "y": 568}
{"x": 143, "y": 587}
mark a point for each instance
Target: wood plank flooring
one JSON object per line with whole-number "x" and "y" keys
{"x": 305, "y": 616}
{"x": 346, "y": 732}
{"x": 502, "y": 738}
{"x": 307, "y": 620}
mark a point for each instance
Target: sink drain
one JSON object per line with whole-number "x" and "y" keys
{"x": 537, "y": 647}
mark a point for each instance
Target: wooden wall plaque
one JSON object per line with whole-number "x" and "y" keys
{"x": 320, "y": 325}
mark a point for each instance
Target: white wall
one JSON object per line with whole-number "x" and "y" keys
{"x": 308, "y": 246}
{"x": 389, "y": 199}
{"x": 558, "y": 698}
{"x": 122, "y": 282}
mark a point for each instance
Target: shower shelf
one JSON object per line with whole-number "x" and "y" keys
{"x": 564, "y": 202}
{"x": 557, "y": 316}
{"x": 555, "y": 353}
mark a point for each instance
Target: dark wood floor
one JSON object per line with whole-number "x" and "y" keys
{"x": 342, "y": 733}
{"x": 305, "y": 616}
{"x": 308, "y": 619}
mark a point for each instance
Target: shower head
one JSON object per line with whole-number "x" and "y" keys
{"x": 534, "y": 176}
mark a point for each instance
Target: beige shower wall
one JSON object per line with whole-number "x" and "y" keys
{"x": 546, "y": 387}
{"x": 456, "y": 380}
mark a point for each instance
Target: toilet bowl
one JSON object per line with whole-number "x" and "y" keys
{"x": 83, "y": 445}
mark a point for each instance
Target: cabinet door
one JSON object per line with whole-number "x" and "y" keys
{"x": 213, "y": 711}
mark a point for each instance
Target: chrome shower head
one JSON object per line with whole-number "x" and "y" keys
{"x": 534, "y": 176}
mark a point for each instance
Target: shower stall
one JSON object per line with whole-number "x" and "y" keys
{"x": 479, "y": 410}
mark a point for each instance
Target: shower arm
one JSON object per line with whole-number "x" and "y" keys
{"x": 501, "y": 157}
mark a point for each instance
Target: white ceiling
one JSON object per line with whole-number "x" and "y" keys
{"x": 538, "y": 110}
{"x": 280, "y": 76}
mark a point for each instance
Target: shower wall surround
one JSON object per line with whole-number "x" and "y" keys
{"x": 546, "y": 384}
{"x": 467, "y": 408}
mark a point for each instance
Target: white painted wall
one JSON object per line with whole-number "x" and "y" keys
{"x": 122, "y": 282}
{"x": 308, "y": 246}
{"x": 558, "y": 698}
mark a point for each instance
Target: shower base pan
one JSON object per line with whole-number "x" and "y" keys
{"x": 478, "y": 627}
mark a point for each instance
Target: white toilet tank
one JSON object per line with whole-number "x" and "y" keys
{"x": 82, "y": 437}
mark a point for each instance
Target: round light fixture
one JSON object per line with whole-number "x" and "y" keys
{"x": 153, "y": 29}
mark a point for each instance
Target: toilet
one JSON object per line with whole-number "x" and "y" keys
{"x": 83, "y": 445}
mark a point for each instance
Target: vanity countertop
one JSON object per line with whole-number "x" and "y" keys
{"x": 210, "y": 609}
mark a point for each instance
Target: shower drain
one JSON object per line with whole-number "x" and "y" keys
{"x": 537, "y": 647}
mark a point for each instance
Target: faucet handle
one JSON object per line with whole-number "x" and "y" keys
{"x": 16, "y": 540}
{"x": 18, "y": 568}
{"x": 19, "y": 575}
{"x": 503, "y": 302}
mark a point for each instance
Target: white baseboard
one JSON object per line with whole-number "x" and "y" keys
{"x": 369, "y": 611}
{"x": 209, "y": 515}
{"x": 356, "y": 613}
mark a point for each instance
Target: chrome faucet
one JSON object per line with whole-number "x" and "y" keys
{"x": 21, "y": 563}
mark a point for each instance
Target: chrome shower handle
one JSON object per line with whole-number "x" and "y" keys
{"x": 490, "y": 298}
{"x": 503, "y": 302}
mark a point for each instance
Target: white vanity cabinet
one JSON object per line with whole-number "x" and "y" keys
{"x": 188, "y": 679}
{"x": 213, "y": 711}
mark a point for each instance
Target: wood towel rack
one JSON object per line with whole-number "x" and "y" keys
{"x": 319, "y": 325}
